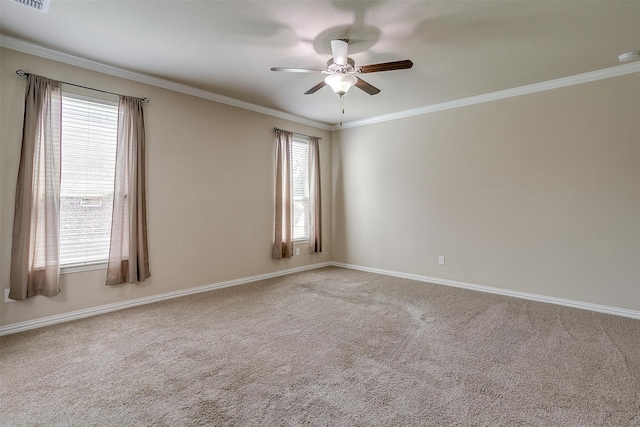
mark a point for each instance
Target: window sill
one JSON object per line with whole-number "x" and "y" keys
{"x": 77, "y": 268}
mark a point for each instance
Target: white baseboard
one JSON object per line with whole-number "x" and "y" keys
{"x": 94, "y": 311}
{"x": 634, "y": 314}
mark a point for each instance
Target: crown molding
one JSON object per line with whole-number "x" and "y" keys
{"x": 43, "y": 52}
{"x": 577, "y": 79}
{"x": 36, "y": 50}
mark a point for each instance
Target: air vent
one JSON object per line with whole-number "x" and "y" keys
{"x": 41, "y": 5}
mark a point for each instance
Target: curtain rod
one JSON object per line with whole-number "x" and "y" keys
{"x": 296, "y": 133}
{"x": 22, "y": 73}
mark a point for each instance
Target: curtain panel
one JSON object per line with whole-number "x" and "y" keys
{"x": 283, "y": 241}
{"x": 35, "y": 262}
{"x": 128, "y": 250}
{"x": 315, "y": 205}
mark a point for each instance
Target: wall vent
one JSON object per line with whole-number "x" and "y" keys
{"x": 41, "y": 5}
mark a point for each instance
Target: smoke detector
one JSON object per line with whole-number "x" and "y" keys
{"x": 41, "y": 5}
{"x": 629, "y": 56}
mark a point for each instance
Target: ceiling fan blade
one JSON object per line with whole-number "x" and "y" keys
{"x": 340, "y": 49}
{"x": 316, "y": 88}
{"x": 386, "y": 66}
{"x": 299, "y": 70}
{"x": 369, "y": 88}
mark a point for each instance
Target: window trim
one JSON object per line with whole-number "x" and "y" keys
{"x": 81, "y": 267}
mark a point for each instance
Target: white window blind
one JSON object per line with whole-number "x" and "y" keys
{"x": 89, "y": 136}
{"x": 300, "y": 176}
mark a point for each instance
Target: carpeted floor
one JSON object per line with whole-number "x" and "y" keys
{"x": 328, "y": 347}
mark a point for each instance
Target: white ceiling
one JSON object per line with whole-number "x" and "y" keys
{"x": 459, "y": 48}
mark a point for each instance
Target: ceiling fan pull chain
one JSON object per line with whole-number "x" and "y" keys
{"x": 341, "y": 108}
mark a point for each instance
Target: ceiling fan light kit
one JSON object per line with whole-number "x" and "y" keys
{"x": 341, "y": 83}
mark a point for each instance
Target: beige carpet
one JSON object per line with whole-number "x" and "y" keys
{"x": 328, "y": 347}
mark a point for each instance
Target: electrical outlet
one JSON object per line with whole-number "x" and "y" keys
{"x": 6, "y": 296}
{"x": 297, "y": 251}
{"x": 441, "y": 260}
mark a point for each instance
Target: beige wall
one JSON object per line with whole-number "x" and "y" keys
{"x": 210, "y": 191}
{"x": 538, "y": 193}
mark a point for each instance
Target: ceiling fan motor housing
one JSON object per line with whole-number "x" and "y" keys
{"x": 349, "y": 67}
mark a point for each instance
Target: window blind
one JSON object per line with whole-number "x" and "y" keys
{"x": 89, "y": 137}
{"x": 300, "y": 192}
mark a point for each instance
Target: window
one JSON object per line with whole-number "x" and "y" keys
{"x": 300, "y": 178}
{"x": 89, "y": 137}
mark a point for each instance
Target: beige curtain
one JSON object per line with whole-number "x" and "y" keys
{"x": 35, "y": 262}
{"x": 128, "y": 251}
{"x": 282, "y": 243}
{"x": 315, "y": 205}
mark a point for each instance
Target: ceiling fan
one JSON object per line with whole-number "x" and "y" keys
{"x": 342, "y": 72}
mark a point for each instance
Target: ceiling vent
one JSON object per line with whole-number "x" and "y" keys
{"x": 41, "y": 5}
